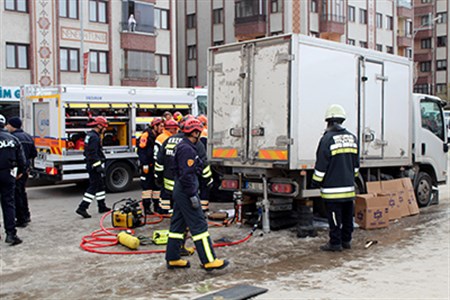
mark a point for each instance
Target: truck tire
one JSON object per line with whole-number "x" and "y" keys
{"x": 118, "y": 177}
{"x": 423, "y": 189}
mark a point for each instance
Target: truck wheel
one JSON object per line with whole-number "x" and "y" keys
{"x": 423, "y": 189}
{"x": 118, "y": 177}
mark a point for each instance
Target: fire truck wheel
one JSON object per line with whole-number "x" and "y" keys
{"x": 118, "y": 177}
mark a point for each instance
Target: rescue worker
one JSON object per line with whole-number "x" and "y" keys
{"x": 93, "y": 152}
{"x": 337, "y": 165}
{"x": 23, "y": 216}
{"x": 207, "y": 178}
{"x": 177, "y": 116}
{"x": 187, "y": 211}
{"x": 146, "y": 147}
{"x": 204, "y": 135}
{"x": 12, "y": 166}
{"x": 167, "y": 115}
{"x": 170, "y": 128}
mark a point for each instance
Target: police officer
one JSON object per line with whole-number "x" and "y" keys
{"x": 187, "y": 211}
{"x": 146, "y": 147}
{"x": 12, "y": 165}
{"x": 93, "y": 152}
{"x": 337, "y": 165}
{"x": 29, "y": 149}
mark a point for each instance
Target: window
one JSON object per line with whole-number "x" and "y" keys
{"x": 69, "y": 59}
{"x": 97, "y": 11}
{"x": 389, "y": 23}
{"x": 409, "y": 52}
{"x": 390, "y": 49}
{"x": 192, "y": 52}
{"x": 442, "y": 41}
{"x": 16, "y": 56}
{"x": 422, "y": 88}
{"x": 442, "y": 18}
{"x": 425, "y": 20}
{"x": 162, "y": 64}
{"x": 426, "y": 43}
{"x": 161, "y": 18}
{"x": 141, "y": 65}
{"x": 314, "y": 6}
{"x": 441, "y": 65}
{"x": 425, "y": 66}
{"x": 379, "y": 20}
{"x": 432, "y": 119}
{"x": 143, "y": 13}
{"x": 362, "y": 16}
{"x": 363, "y": 44}
{"x": 16, "y": 5}
{"x": 191, "y": 21}
{"x": 249, "y": 8}
{"x": 351, "y": 14}
{"x": 441, "y": 88}
{"x": 426, "y": 1}
{"x": 351, "y": 42}
{"x": 275, "y": 6}
{"x": 408, "y": 28}
{"x": 192, "y": 81}
{"x": 218, "y": 43}
{"x": 379, "y": 47}
{"x": 98, "y": 61}
{"x": 68, "y": 9}
{"x": 218, "y": 16}
{"x": 312, "y": 33}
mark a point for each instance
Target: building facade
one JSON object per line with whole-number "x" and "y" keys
{"x": 385, "y": 25}
{"x": 431, "y": 50}
{"x": 50, "y": 42}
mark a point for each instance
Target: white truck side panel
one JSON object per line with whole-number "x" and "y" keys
{"x": 325, "y": 77}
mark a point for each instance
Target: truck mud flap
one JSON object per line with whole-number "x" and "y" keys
{"x": 238, "y": 292}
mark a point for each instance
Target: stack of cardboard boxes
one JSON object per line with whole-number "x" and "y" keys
{"x": 385, "y": 201}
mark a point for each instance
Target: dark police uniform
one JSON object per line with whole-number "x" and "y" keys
{"x": 12, "y": 163}
{"x": 337, "y": 165}
{"x": 93, "y": 152}
{"x": 186, "y": 211}
{"x": 146, "y": 152}
{"x": 21, "y": 198}
{"x": 164, "y": 168}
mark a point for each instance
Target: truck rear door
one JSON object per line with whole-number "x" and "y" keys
{"x": 249, "y": 102}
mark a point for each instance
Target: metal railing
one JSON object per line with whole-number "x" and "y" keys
{"x": 138, "y": 74}
{"x": 250, "y": 19}
{"x": 332, "y": 18}
{"x": 137, "y": 28}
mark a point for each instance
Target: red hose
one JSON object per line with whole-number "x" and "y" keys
{"x": 103, "y": 237}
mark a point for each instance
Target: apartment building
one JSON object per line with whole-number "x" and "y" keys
{"x": 50, "y": 42}
{"x": 384, "y": 25}
{"x": 431, "y": 49}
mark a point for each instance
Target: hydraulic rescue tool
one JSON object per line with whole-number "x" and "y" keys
{"x": 128, "y": 215}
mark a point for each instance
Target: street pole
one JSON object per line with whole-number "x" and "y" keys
{"x": 82, "y": 42}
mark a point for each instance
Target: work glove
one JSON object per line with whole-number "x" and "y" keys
{"x": 315, "y": 184}
{"x": 145, "y": 169}
{"x": 159, "y": 181}
{"x": 195, "y": 201}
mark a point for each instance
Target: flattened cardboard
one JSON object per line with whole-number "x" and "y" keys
{"x": 410, "y": 196}
{"x": 372, "y": 211}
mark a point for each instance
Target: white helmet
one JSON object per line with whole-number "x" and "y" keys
{"x": 335, "y": 111}
{"x": 2, "y": 120}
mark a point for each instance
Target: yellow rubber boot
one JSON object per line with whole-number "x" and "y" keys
{"x": 187, "y": 251}
{"x": 217, "y": 264}
{"x": 178, "y": 264}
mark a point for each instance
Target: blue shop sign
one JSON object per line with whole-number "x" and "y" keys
{"x": 9, "y": 93}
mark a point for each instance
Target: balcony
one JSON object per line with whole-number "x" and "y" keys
{"x": 404, "y": 9}
{"x": 332, "y": 24}
{"x": 140, "y": 28}
{"x": 250, "y": 27}
{"x": 419, "y": 57}
{"x": 404, "y": 41}
{"x": 424, "y": 79}
{"x": 138, "y": 77}
{"x": 423, "y": 33}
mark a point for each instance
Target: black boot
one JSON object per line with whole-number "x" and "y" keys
{"x": 82, "y": 209}
{"x": 146, "y": 204}
{"x": 12, "y": 239}
{"x": 102, "y": 208}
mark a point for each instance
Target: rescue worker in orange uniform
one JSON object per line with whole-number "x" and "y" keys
{"x": 187, "y": 211}
{"x": 145, "y": 151}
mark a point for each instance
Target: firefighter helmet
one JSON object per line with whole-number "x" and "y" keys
{"x": 192, "y": 125}
{"x": 335, "y": 111}
{"x": 101, "y": 121}
{"x": 2, "y": 120}
{"x": 156, "y": 121}
{"x": 203, "y": 119}
{"x": 171, "y": 124}
{"x": 177, "y": 116}
{"x": 184, "y": 119}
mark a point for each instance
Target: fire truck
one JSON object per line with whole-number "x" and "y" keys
{"x": 57, "y": 118}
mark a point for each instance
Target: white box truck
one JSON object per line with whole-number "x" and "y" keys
{"x": 57, "y": 119}
{"x": 266, "y": 104}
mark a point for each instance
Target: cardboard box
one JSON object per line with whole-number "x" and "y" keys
{"x": 372, "y": 211}
{"x": 395, "y": 211}
{"x": 410, "y": 196}
{"x": 374, "y": 187}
